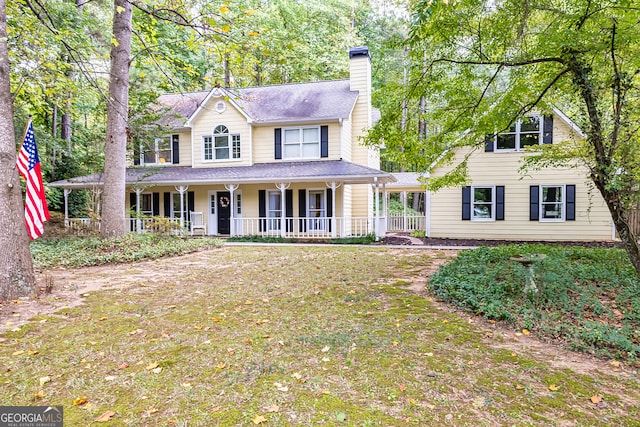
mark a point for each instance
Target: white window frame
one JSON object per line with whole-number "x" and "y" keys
{"x": 175, "y": 210}
{"x": 317, "y": 223}
{"x": 147, "y": 212}
{"x": 492, "y": 204}
{"x": 563, "y": 203}
{"x": 221, "y": 133}
{"x": 158, "y": 160}
{"x": 274, "y": 213}
{"x": 287, "y": 146}
{"x": 517, "y": 132}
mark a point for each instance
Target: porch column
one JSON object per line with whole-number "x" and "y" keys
{"x": 404, "y": 211}
{"x": 427, "y": 213}
{"x": 181, "y": 189}
{"x": 385, "y": 207}
{"x": 138, "y": 191}
{"x": 283, "y": 224}
{"x": 334, "y": 186}
{"x": 376, "y": 220}
{"x": 67, "y": 191}
{"x": 232, "y": 188}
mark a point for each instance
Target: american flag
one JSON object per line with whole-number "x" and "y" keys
{"x": 36, "y": 211}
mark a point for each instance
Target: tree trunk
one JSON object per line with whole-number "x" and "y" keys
{"x": 113, "y": 218}
{"x": 16, "y": 269}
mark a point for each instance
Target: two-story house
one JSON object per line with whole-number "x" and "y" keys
{"x": 551, "y": 204}
{"x": 282, "y": 160}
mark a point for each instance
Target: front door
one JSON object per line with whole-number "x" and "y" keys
{"x": 224, "y": 212}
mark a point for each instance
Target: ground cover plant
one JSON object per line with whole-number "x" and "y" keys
{"x": 85, "y": 251}
{"x": 586, "y": 297}
{"x": 290, "y": 335}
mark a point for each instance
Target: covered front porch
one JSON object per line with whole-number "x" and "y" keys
{"x": 302, "y": 200}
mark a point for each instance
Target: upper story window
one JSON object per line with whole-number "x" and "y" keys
{"x": 524, "y": 132}
{"x": 222, "y": 145}
{"x": 301, "y": 143}
{"x": 157, "y": 153}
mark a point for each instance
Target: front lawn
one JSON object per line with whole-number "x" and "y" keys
{"x": 286, "y": 335}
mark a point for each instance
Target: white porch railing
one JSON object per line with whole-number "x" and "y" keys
{"x": 292, "y": 228}
{"x": 303, "y": 228}
{"x": 406, "y": 223}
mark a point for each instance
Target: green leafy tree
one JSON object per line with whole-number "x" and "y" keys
{"x": 481, "y": 65}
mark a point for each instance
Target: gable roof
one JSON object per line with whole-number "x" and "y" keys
{"x": 299, "y": 102}
{"x": 259, "y": 173}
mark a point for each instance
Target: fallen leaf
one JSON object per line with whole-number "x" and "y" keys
{"x": 615, "y": 363}
{"x": 44, "y": 380}
{"x": 261, "y": 321}
{"x": 38, "y": 395}
{"x": 553, "y": 387}
{"x": 151, "y": 410}
{"x": 123, "y": 366}
{"x": 221, "y": 365}
{"x": 110, "y": 377}
{"x": 80, "y": 401}
{"x": 281, "y": 387}
{"x": 325, "y": 349}
{"x": 341, "y": 416}
{"x": 296, "y": 375}
{"x": 525, "y": 332}
{"x": 17, "y": 353}
{"x": 186, "y": 385}
{"x": 157, "y": 370}
{"x": 259, "y": 419}
{"x": 105, "y": 417}
{"x": 33, "y": 352}
{"x": 596, "y": 399}
{"x": 519, "y": 387}
{"x": 151, "y": 365}
{"x": 272, "y": 408}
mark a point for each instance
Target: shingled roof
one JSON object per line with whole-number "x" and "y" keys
{"x": 316, "y": 101}
{"x": 260, "y": 173}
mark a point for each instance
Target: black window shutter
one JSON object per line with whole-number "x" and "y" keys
{"x": 302, "y": 208}
{"x": 534, "y": 199}
{"x": 500, "y": 203}
{"x": 288, "y": 208}
{"x": 175, "y": 149}
{"x": 167, "y": 203}
{"x": 329, "y": 206}
{"x": 324, "y": 141}
{"x": 136, "y": 153}
{"x": 466, "y": 203}
{"x": 571, "y": 203}
{"x": 190, "y": 202}
{"x": 547, "y": 131}
{"x": 277, "y": 138}
{"x": 262, "y": 209}
{"x": 156, "y": 204}
{"x": 489, "y": 141}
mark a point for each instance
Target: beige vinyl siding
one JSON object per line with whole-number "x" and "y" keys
{"x": 184, "y": 150}
{"x": 592, "y": 222}
{"x": 362, "y": 201}
{"x": 346, "y": 140}
{"x": 204, "y": 124}
{"x": 264, "y": 142}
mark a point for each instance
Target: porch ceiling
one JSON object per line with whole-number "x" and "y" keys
{"x": 261, "y": 173}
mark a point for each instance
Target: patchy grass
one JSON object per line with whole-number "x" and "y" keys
{"x": 586, "y": 297}
{"x": 285, "y": 335}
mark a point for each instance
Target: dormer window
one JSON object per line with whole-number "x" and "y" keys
{"x": 157, "y": 153}
{"x": 222, "y": 145}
